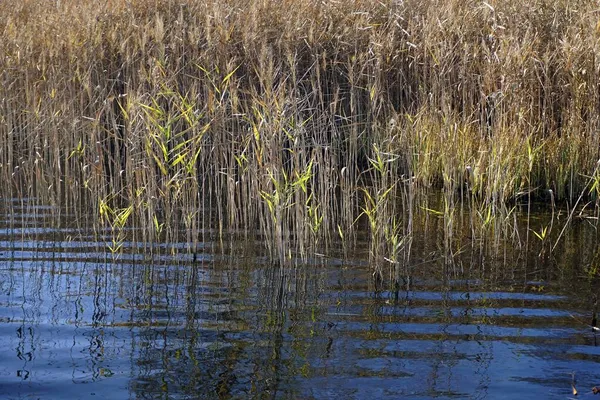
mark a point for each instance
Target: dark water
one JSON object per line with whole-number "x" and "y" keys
{"x": 79, "y": 323}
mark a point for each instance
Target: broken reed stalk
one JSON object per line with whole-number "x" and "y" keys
{"x": 266, "y": 116}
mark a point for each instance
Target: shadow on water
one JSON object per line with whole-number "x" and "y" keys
{"x": 76, "y": 322}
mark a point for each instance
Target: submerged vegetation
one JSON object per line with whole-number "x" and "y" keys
{"x": 305, "y": 121}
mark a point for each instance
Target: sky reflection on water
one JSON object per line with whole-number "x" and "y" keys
{"x": 78, "y": 324}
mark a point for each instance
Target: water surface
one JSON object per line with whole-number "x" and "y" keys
{"x": 77, "y": 322}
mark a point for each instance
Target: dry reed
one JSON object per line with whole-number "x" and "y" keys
{"x": 297, "y": 119}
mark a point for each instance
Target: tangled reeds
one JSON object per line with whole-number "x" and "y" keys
{"x": 299, "y": 120}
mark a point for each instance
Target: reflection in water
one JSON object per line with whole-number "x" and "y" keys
{"x": 77, "y": 323}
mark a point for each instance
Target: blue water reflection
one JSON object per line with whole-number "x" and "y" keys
{"x": 79, "y": 323}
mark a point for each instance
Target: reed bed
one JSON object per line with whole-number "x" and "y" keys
{"x": 303, "y": 121}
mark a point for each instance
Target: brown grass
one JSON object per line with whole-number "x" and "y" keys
{"x": 270, "y": 114}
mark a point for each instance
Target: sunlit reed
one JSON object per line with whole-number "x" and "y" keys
{"x": 302, "y": 121}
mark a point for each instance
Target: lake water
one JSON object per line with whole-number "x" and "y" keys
{"x": 77, "y": 322}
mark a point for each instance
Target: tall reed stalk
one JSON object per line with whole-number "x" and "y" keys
{"x": 273, "y": 117}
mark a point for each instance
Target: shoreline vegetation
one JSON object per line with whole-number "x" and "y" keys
{"x": 305, "y": 121}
